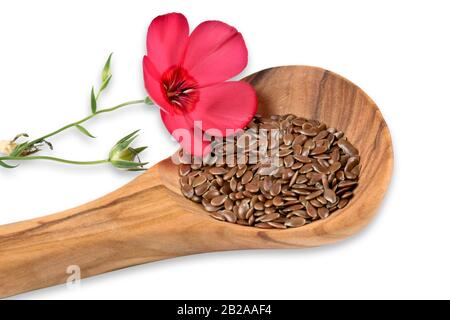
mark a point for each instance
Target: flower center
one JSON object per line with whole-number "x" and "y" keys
{"x": 180, "y": 89}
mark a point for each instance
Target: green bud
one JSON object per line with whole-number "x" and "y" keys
{"x": 123, "y": 156}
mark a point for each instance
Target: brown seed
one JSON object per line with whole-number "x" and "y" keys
{"x": 311, "y": 210}
{"x": 321, "y": 135}
{"x": 346, "y": 195}
{"x": 318, "y": 150}
{"x": 299, "y": 140}
{"x": 350, "y": 175}
{"x": 228, "y": 204}
{"x": 306, "y": 168}
{"x": 253, "y": 186}
{"x": 340, "y": 175}
{"x": 314, "y": 177}
{"x": 276, "y": 225}
{"x": 297, "y": 166}
{"x": 319, "y": 168}
{"x": 230, "y": 216}
{"x": 329, "y": 195}
{"x": 247, "y": 177}
{"x": 258, "y": 213}
{"x": 217, "y": 170}
{"x": 278, "y": 201}
{"x": 270, "y": 210}
{"x": 289, "y": 161}
{"x": 303, "y": 192}
{"x": 285, "y": 152}
{"x": 347, "y": 147}
{"x": 309, "y": 144}
{"x": 310, "y": 132}
{"x": 240, "y": 172}
{"x": 269, "y": 217}
{"x": 287, "y": 174}
{"x": 249, "y": 213}
{"x": 297, "y": 149}
{"x": 293, "y": 179}
{"x": 342, "y": 203}
{"x": 323, "y": 212}
{"x": 303, "y": 159}
{"x": 322, "y": 200}
{"x": 356, "y": 170}
{"x": 242, "y": 222}
{"x": 334, "y": 167}
{"x": 346, "y": 183}
{"x": 217, "y": 215}
{"x": 351, "y": 163}
{"x": 316, "y": 203}
{"x": 201, "y": 189}
{"x": 268, "y": 203}
{"x": 301, "y": 179}
{"x": 295, "y": 222}
{"x": 188, "y": 191}
{"x": 230, "y": 173}
{"x": 267, "y": 183}
{"x": 184, "y": 169}
{"x": 314, "y": 195}
{"x": 288, "y": 138}
{"x": 293, "y": 208}
{"x": 225, "y": 189}
{"x": 259, "y": 206}
{"x": 198, "y": 180}
{"x": 219, "y": 200}
{"x": 263, "y": 225}
{"x": 184, "y": 181}
{"x": 301, "y": 213}
{"x": 211, "y": 194}
{"x": 276, "y": 189}
{"x": 298, "y": 122}
{"x": 210, "y": 208}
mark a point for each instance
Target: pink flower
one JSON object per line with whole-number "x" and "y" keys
{"x": 185, "y": 75}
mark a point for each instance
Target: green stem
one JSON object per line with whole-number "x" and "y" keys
{"x": 55, "y": 159}
{"x": 85, "y": 119}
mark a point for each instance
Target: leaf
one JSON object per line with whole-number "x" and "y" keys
{"x": 93, "y": 101}
{"x": 123, "y": 164}
{"x": 19, "y": 149}
{"x": 137, "y": 169}
{"x": 7, "y": 166}
{"x": 149, "y": 101}
{"x": 128, "y": 136}
{"x": 84, "y": 131}
{"x": 139, "y": 150}
{"x": 105, "y": 83}
{"x": 20, "y": 135}
{"x": 106, "y": 73}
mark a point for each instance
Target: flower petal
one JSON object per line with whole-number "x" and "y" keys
{"x": 166, "y": 40}
{"x": 228, "y": 105}
{"x": 191, "y": 139}
{"x": 215, "y": 52}
{"x": 153, "y": 85}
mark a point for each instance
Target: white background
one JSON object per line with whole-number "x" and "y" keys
{"x": 51, "y": 52}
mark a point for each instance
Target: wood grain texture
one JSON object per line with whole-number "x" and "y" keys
{"x": 148, "y": 219}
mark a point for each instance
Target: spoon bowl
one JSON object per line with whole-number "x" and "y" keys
{"x": 149, "y": 219}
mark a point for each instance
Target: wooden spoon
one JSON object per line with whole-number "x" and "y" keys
{"x": 148, "y": 219}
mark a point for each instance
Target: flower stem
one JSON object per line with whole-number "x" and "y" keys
{"x": 55, "y": 159}
{"x": 85, "y": 119}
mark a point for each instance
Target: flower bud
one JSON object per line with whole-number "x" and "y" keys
{"x": 123, "y": 156}
{"x": 7, "y": 146}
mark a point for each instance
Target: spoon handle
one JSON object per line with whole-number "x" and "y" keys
{"x": 121, "y": 229}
